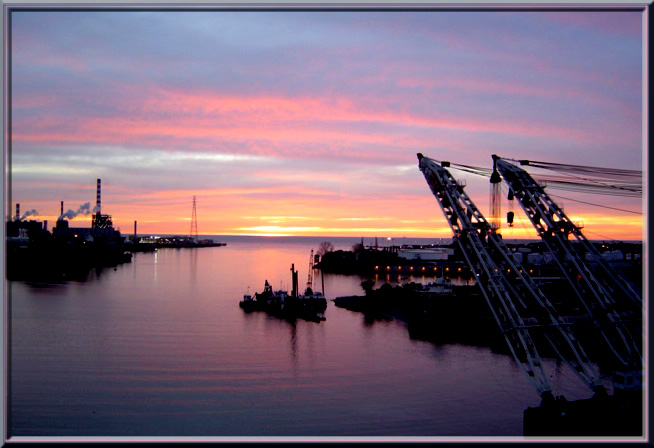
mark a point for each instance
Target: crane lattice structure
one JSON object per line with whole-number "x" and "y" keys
{"x": 310, "y": 276}
{"x": 615, "y": 308}
{"x": 521, "y": 310}
{"x": 194, "y": 222}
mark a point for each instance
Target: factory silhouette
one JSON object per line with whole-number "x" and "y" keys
{"x": 35, "y": 253}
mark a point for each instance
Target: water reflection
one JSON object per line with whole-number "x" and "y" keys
{"x": 293, "y": 345}
{"x": 193, "y": 254}
{"x": 130, "y": 345}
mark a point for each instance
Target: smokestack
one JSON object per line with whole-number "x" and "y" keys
{"x": 134, "y": 229}
{"x": 97, "y": 201}
{"x": 17, "y": 212}
{"x": 62, "y": 208}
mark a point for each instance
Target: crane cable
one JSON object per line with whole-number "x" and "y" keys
{"x": 629, "y": 181}
{"x": 611, "y": 172}
{"x": 555, "y": 182}
{"x": 597, "y": 205}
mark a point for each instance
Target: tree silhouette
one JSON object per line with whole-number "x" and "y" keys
{"x": 324, "y": 248}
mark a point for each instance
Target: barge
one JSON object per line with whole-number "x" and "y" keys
{"x": 309, "y": 306}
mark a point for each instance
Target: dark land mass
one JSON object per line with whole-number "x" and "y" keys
{"x": 173, "y": 242}
{"x": 61, "y": 260}
{"x": 464, "y": 317}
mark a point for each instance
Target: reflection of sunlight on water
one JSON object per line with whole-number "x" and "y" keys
{"x": 156, "y": 270}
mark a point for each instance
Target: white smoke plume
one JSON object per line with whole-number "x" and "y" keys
{"x": 29, "y": 213}
{"x": 84, "y": 209}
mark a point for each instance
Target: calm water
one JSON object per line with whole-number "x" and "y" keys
{"x": 160, "y": 347}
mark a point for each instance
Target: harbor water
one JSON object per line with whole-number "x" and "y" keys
{"x": 160, "y": 347}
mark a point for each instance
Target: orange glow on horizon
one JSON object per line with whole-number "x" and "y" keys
{"x": 596, "y": 228}
{"x": 298, "y": 211}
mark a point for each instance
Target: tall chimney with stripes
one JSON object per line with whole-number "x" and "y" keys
{"x": 98, "y": 202}
{"x": 17, "y": 212}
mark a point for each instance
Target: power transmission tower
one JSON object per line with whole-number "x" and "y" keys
{"x": 194, "y": 222}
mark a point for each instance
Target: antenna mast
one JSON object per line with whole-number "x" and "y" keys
{"x": 194, "y": 222}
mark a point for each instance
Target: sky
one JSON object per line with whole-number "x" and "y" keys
{"x": 308, "y": 122}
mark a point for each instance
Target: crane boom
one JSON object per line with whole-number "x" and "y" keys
{"x": 613, "y": 304}
{"x": 518, "y": 306}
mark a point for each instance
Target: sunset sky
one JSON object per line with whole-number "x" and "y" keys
{"x": 308, "y": 122}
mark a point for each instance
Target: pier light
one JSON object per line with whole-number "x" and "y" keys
{"x": 399, "y": 268}
{"x": 531, "y": 271}
{"x": 434, "y": 269}
{"x": 376, "y": 268}
{"x": 447, "y": 269}
{"x": 388, "y": 268}
{"x": 411, "y": 268}
{"x": 423, "y": 268}
{"x": 508, "y": 270}
{"x": 459, "y": 269}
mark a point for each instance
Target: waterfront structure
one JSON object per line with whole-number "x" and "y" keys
{"x": 521, "y": 309}
{"x": 603, "y": 293}
{"x": 425, "y": 253}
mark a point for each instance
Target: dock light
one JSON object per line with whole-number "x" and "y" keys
{"x": 376, "y": 268}
{"x": 423, "y": 268}
{"x": 508, "y": 270}
{"x": 399, "y": 268}
{"x": 531, "y": 271}
{"x": 459, "y": 269}
{"x": 411, "y": 268}
{"x": 434, "y": 269}
{"x": 447, "y": 269}
{"x": 388, "y": 268}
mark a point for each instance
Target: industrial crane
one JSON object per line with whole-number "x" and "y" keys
{"x": 615, "y": 308}
{"x": 522, "y": 312}
{"x": 309, "y": 288}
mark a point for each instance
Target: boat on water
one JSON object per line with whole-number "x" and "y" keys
{"x": 439, "y": 287}
{"x": 262, "y": 301}
{"x": 311, "y": 301}
{"x": 309, "y": 306}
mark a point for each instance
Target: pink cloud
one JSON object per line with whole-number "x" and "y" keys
{"x": 267, "y": 123}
